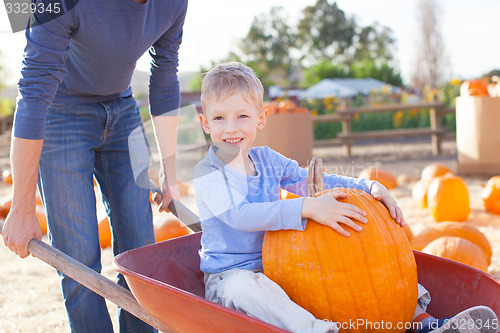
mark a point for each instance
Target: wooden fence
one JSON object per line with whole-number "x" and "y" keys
{"x": 348, "y": 138}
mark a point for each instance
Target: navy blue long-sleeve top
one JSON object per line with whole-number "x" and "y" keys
{"x": 89, "y": 55}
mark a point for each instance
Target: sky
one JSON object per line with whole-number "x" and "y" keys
{"x": 471, "y": 32}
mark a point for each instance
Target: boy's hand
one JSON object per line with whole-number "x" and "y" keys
{"x": 380, "y": 193}
{"x": 328, "y": 211}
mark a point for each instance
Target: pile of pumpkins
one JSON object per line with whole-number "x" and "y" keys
{"x": 480, "y": 87}
{"x": 165, "y": 227}
{"x": 446, "y": 197}
{"x": 283, "y": 106}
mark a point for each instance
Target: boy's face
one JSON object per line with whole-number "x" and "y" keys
{"x": 233, "y": 122}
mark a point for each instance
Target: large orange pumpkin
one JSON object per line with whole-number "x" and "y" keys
{"x": 345, "y": 279}
{"x": 448, "y": 199}
{"x": 474, "y": 88}
{"x": 458, "y": 249}
{"x": 384, "y": 177}
{"x": 452, "y": 229}
{"x": 491, "y": 195}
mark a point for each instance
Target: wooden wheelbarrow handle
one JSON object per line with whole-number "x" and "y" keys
{"x": 97, "y": 282}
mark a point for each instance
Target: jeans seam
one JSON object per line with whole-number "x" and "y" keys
{"x": 109, "y": 195}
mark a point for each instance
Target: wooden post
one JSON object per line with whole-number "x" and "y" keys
{"x": 435, "y": 126}
{"x": 346, "y": 129}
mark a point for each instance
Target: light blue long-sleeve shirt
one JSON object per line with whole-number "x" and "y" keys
{"x": 89, "y": 55}
{"x": 236, "y": 209}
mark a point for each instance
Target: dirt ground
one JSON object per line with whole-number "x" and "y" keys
{"x": 30, "y": 298}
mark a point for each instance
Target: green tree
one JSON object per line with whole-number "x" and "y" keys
{"x": 383, "y": 71}
{"x": 374, "y": 42}
{"x": 325, "y": 32}
{"x": 269, "y": 45}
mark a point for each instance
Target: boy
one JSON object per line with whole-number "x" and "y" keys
{"x": 238, "y": 191}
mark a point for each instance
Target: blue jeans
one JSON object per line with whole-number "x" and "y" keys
{"x": 81, "y": 141}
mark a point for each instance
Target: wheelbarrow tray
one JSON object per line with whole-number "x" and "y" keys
{"x": 166, "y": 280}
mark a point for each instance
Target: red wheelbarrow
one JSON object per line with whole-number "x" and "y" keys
{"x": 166, "y": 280}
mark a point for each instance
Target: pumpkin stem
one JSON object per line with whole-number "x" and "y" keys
{"x": 315, "y": 178}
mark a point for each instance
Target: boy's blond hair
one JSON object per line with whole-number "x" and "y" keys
{"x": 226, "y": 79}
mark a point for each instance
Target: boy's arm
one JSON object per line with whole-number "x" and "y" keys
{"x": 379, "y": 192}
{"x": 228, "y": 203}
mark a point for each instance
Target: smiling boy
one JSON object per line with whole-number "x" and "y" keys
{"x": 238, "y": 197}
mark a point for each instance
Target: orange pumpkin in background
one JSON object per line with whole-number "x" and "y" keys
{"x": 384, "y": 177}
{"x": 104, "y": 229}
{"x": 452, "y": 229}
{"x": 491, "y": 195}
{"x": 271, "y": 107}
{"x": 434, "y": 170}
{"x": 448, "y": 199}
{"x": 419, "y": 192}
{"x": 474, "y": 88}
{"x": 284, "y": 106}
{"x": 42, "y": 218}
{"x": 166, "y": 227}
{"x": 5, "y": 207}
{"x": 458, "y": 249}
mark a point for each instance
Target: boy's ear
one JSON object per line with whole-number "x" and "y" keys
{"x": 204, "y": 123}
{"x": 262, "y": 118}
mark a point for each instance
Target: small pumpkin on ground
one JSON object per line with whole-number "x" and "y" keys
{"x": 39, "y": 212}
{"x": 419, "y": 192}
{"x": 5, "y": 207}
{"x": 452, "y": 229}
{"x": 491, "y": 195}
{"x": 448, "y": 199}
{"x": 458, "y": 249}
{"x": 433, "y": 170}
{"x": 384, "y": 177}
{"x": 104, "y": 228}
{"x": 327, "y": 273}
{"x": 42, "y": 218}
{"x": 166, "y": 227}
